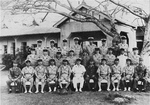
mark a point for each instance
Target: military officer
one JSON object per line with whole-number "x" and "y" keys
{"x": 52, "y": 49}
{"x": 141, "y": 73}
{"x": 39, "y": 49}
{"x": 45, "y": 58}
{"x": 40, "y": 72}
{"x": 76, "y": 47}
{"x": 14, "y": 76}
{"x": 122, "y": 58}
{"x": 104, "y": 74}
{"x": 33, "y": 58}
{"x": 104, "y": 47}
{"x": 78, "y": 72}
{"x": 58, "y": 59}
{"x": 91, "y": 47}
{"x": 116, "y": 48}
{"x": 52, "y": 72}
{"x": 110, "y": 57}
{"x": 135, "y": 57}
{"x": 116, "y": 74}
{"x": 124, "y": 44}
{"x": 97, "y": 57}
{"x": 65, "y": 48}
{"x": 85, "y": 58}
{"x": 71, "y": 58}
{"x": 128, "y": 72}
{"x": 28, "y": 73}
{"x": 64, "y": 73}
{"x": 91, "y": 73}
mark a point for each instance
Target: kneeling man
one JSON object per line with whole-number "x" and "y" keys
{"x": 104, "y": 74}
{"x": 78, "y": 72}
{"x": 40, "y": 72}
{"x": 28, "y": 73}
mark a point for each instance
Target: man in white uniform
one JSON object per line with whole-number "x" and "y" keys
{"x": 78, "y": 71}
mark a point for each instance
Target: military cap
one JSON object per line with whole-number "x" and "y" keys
{"x": 110, "y": 49}
{"x": 39, "y": 41}
{"x": 116, "y": 59}
{"x": 65, "y": 60}
{"x": 52, "y": 41}
{"x": 27, "y": 61}
{"x": 71, "y": 51}
{"x": 58, "y": 52}
{"x": 75, "y": 38}
{"x": 135, "y": 48}
{"x": 103, "y": 59}
{"x": 65, "y": 40}
{"x": 39, "y": 60}
{"x": 45, "y": 50}
{"x": 103, "y": 40}
{"x": 91, "y": 38}
{"x": 78, "y": 59}
{"x": 128, "y": 59}
{"x": 97, "y": 49}
{"x": 52, "y": 60}
{"x": 123, "y": 37}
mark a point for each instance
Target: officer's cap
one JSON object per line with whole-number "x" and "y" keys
{"x": 97, "y": 49}
{"x": 103, "y": 59}
{"x": 135, "y": 48}
{"x": 39, "y": 41}
{"x": 91, "y": 38}
{"x": 52, "y": 41}
{"x": 78, "y": 59}
{"x": 65, "y": 40}
{"x": 39, "y": 60}
{"x": 103, "y": 40}
{"x": 32, "y": 49}
{"x": 122, "y": 49}
{"x": 58, "y": 52}
{"x": 110, "y": 49}
{"x": 65, "y": 60}
{"x": 76, "y": 39}
{"x": 45, "y": 50}
{"x": 52, "y": 60}
{"x": 27, "y": 61}
{"x": 71, "y": 51}
{"x": 123, "y": 37}
{"x": 15, "y": 62}
{"x": 116, "y": 59}
{"x": 128, "y": 59}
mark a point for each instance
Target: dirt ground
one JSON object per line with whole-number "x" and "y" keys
{"x": 85, "y": 98}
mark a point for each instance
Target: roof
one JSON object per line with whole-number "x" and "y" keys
{"x": 28, "y": 31}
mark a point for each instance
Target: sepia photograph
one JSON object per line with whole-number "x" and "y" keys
{"x": 75, "y": 52}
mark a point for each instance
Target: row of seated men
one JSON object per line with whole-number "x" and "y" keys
{"x": 61, "y": 74}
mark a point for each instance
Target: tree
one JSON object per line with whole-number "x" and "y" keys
{"x": 46, "y": 6}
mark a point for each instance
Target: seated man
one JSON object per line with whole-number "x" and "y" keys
{"x": 64, "y": 73}
{"x": 91, "y": 73}
{"x": 78, "y": 72}
{"x": 141, "y": 74}
{"x": 110, "y": 57}
{"x": 128, "y": 72}
{"x": 104, "y": 74}
{"x": 52, "y": 74}
{"x": 14, "y": 76}
{"x": 28, "y": 73}
{"x": 40, "y": 72}
{"x": 71, "y": 58}
{"x": 116, "y": 74}
{"x": 45, "y": 58}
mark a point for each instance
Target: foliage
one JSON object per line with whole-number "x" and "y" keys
{"x": 7, "y": 60}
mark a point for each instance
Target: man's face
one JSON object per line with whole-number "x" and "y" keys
{"x": 65, "y": 63}
{"x": 52, "y": 44}
{"x": 45, "y": 53}
{"x": 78, "y": 62}
{"x": 116, "y": 62}
{"x": 71, "y": 53}
{"x": 39, "y": 44}
{"x": 97, "y": 52}
{"x": 110, "y": 51}
{"x": 40, "y": 63}
{"x": 28, "y": 64}
{"x": 59, "y": 55}
{"x": 103, "y": 43}
{"x": 52, "y": 62}
{"x": 140, "y": 62}
{"x": 76, "y": 41}
{"x": 123, "y": 41}
{"x": 91, "y": 41}
{"x": 103, "y": 62}
{"x": 128, "y": 62}
{"x": 33, "y": 52}
{"x": 15, "y": 64}
{"x": 122, "y": 51}
{"x": 91, "y": 62}
{"x": 135, "y": 51}
{"x": 65, "y": 43}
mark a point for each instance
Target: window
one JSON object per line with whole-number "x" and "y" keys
{"x": 5, "y": 49}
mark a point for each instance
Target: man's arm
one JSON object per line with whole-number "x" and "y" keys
{"x": 19, "y": 75}
{"x": 9, "y": 75}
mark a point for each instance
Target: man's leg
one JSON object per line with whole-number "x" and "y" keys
{"x": 24, "y": 85}
{"x": 108, "y": 84}
{"x": 37, "y": 85}
{"x": 31, "y": 85}
{"x": 81, "y": 81}
{"x": 19, "y": 84}
{"x": 95, "y": 82}
{"x": 75, "y": 83}
{"x": 113, "y": 84}
{"x": 88, "y": 84}
{"x": 8, "y": 85}
{"x": 145, "y": 84}
{"x": 118, "y": 84}
{"x": 99, "y": 83}
{"x": 43, "y": 85}
{"x": 135, "y": 83}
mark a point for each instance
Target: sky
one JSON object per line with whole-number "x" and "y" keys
{"x": 23, "y": 20}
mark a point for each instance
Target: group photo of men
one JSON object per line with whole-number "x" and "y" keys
{"x": 78, "y": 67}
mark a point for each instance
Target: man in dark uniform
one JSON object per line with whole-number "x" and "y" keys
{"x": 91, "y": 73}
{"x": 104, "y": 47}
{"x": 91, "y": 47}
{"x": 14, "y": 76}
{"x": 141, "y": 73}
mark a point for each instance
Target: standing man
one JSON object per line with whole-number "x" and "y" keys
{"x": 78, "y": 71}
{"x": 124, "y": 44}
{"x": 135, "y": 57}
{"x": 91, "y": 47}
{"x": 110, "y": 57}
{"x": 58, "y": 59}
{"x": 71, "y": 58}
{"x": 65, "y": 48}
{"x": 76, "y": 47}
{"x": 39, "y": 49}
{"x": 52, "y": 49}
{"x": 141, "y": 73}
{"x": 45, "y": 58}
{"x": 104, "y": 47}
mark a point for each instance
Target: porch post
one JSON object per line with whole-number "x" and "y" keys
{"x": 45, "y": 41}
{"x": 16, "y": 44}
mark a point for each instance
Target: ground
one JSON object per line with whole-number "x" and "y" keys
{"x": 85, "y": 98}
